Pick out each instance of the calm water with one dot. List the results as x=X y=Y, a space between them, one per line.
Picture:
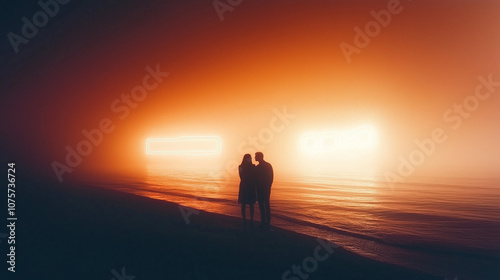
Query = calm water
x=449 y=227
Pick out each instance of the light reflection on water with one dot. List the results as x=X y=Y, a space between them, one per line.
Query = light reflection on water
x=455 y=215
x=341 y=203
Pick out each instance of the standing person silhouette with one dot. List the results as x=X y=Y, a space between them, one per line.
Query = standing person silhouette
x=264 y=176
x=247 y=192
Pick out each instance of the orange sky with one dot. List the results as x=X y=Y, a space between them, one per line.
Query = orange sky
x=226 y=78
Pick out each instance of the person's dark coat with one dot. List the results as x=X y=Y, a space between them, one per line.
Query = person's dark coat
x=247 y=191
x=265 y=178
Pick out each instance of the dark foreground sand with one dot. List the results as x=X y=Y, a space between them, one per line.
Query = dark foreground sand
x=80 y=232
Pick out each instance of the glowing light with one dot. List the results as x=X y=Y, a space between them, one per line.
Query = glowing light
x=184 y=145
x=324 y=142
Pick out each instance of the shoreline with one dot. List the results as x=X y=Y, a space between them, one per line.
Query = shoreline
x=92 y=231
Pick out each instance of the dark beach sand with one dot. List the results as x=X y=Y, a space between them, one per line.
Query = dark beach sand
x=71 y=231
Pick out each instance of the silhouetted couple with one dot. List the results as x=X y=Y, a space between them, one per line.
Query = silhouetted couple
x=255 y=185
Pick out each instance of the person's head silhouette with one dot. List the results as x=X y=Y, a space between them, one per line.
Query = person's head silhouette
x=259 y=156
x=247 y=158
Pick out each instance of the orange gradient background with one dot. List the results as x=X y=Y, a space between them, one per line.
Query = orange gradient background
x=227 y=77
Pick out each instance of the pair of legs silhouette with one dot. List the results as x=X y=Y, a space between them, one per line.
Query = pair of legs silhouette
x=265 y=211
x=243 y=214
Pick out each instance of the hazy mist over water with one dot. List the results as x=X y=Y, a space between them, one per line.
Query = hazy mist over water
x=431 y=224
x=415 y=102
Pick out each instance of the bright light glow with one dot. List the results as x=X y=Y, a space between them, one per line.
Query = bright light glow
x=326 y=142
x=184 y=145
